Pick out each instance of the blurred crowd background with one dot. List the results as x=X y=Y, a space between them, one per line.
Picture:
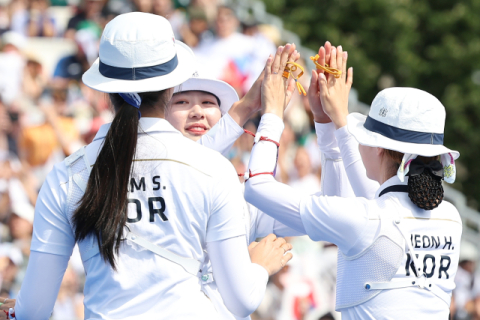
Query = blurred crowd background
x=46 y=113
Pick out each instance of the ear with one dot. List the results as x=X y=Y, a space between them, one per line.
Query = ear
x=380 y=151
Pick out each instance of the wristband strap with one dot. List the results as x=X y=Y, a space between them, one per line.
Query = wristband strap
x=261 y=138
x=249 y=174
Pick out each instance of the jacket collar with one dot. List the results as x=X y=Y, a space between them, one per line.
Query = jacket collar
x=391 y=182
x=146 y=125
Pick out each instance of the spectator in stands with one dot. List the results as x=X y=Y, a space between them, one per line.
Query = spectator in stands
x=7 y=143
x=34 y=21
x=143 y=5
x=467 y=282
x=47 y=143
x=10 y=260
x=229 y=54
x=209 y=7
x=73 y=66
x=197 y=29
x=12 y=64
x=306 y=181
x=34 y=80
x=4 y=16
x=89 y=16
x=166 y=9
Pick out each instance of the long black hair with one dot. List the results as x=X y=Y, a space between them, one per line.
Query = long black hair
x=102 y=211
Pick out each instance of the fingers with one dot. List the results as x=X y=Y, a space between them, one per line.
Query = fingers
x=328 y=51
x=295 y=56
x=333 y=58
x=268 y=66
x=252 y=245
x=287 y=51
x=290 y=90
x=313 y=89
x=270 y=237
x=279 y=242
x=344 y=65
x=276 y=60
x=340 y=57
x=322 y=85
x=287 y=247
x=350 y=78
x=287 y=257
x=321 y=59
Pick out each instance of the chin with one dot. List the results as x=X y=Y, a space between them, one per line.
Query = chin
x=193 y=137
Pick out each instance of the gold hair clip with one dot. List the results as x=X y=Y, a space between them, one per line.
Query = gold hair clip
x=335 y=72
x=289 y=72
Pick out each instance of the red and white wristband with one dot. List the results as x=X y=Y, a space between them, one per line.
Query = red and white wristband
x=258 y=138
x=10 y=313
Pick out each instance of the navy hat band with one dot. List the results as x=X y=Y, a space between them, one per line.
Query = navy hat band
x=138 y=73
x=402 y=135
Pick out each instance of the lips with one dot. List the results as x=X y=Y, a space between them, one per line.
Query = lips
x=197 y=129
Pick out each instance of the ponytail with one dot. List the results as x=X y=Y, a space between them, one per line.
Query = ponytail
x=102 y=211
x=425 y=190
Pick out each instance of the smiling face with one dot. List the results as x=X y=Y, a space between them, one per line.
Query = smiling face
x=193 y=113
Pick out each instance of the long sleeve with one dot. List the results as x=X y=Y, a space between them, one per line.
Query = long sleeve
x=241 y=283
x=338 y=220
x=40 y=286
x=352 y=161
x=334 y=180
x=263 y=190
x=223 y=135
x=261 y=225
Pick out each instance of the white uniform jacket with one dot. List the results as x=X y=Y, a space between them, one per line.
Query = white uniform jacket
x=353 y=224
x=181 y=197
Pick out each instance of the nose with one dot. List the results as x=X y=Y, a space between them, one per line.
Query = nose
x=197 y=112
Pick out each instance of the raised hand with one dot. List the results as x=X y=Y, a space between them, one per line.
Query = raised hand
x=271 y=252
x=334 y=92
x=313 y=93
x=251 y=103
x=274 y=86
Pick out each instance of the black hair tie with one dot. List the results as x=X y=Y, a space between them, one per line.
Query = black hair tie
x=417 y=167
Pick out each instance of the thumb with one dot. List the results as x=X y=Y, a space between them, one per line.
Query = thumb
x=252 y=245
x=322 y=85
x=290 y=90
x=313 y=89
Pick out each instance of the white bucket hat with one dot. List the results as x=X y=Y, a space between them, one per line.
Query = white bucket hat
x=138 y=53
x=407 y=120
x=222 y=90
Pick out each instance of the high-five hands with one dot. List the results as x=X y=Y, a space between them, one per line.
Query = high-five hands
x=334 y=92
x=327 y=95
x=313 y=95
x=276 y=89
x=251 y=103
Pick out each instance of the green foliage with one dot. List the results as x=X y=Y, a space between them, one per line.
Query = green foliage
x=433 y=45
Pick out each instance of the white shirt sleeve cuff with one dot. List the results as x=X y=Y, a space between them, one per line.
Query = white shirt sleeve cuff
x=271 y=127
x=342 y=133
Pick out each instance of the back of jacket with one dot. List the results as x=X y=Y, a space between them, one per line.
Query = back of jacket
x=181 y=195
